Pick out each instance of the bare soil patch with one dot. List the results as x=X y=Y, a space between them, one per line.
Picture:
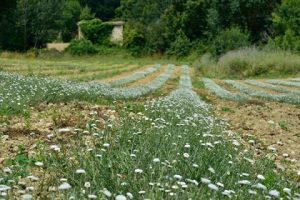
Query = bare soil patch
x=274 y=126
x=44 y=123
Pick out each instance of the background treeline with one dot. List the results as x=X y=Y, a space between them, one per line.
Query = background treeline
x=26 y=24
x=173 y=27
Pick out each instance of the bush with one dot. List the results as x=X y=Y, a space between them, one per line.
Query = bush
x=229 y=39
x=96 y=31
x=81 y=47
x=288 y=41
x=181 y=46
x=134 y=39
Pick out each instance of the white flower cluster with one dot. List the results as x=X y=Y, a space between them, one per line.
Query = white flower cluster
x=184 y=93
x=260 y=94
x=20 y=91
x=223 y=93
x=272 y=87
x=295 y=79
x=126 y=93
x=136 y=76
x=284 y=83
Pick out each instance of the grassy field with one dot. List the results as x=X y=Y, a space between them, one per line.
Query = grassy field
x=87 y=128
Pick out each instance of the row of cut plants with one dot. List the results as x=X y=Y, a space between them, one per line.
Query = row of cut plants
x=281 y=91
x=18 y=92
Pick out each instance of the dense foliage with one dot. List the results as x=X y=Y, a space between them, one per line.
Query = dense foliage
x=158 y=26
x=81 y=47
x=96 y=31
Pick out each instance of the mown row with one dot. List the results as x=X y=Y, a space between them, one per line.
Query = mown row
x=17 y=92
x=274 y=90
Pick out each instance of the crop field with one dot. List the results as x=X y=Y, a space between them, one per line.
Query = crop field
x=144 y=129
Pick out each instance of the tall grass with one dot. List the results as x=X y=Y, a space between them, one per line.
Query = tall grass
x=250 y=62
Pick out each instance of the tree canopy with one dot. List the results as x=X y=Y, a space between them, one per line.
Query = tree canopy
x=154 y=26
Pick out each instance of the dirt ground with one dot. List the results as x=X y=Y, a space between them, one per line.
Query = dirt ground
x=271 y=128
x=44 y=124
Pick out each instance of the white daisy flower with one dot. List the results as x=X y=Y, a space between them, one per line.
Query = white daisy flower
x=186 y=155
x=80 y=171
x=64 y=186
x=138 y=171
x=261 y=177
x=120 y=197
x=213 y=187
x=274 y=193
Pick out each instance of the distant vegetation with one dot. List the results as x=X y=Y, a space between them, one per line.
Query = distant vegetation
x=185 y=29
x=250 y=62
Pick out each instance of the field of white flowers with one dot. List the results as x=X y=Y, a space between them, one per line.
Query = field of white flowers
x=171 y=147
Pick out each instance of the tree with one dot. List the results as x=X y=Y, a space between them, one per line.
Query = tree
x=86 y=14
x=287 y=25
x=103 y=9
x=70 y=18
x=39 y=20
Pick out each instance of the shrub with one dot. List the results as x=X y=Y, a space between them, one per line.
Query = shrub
x=134 y=38
x=229 y=39
x=288 y=41
x=96 y=31
x=181 y=46
x=81 y=47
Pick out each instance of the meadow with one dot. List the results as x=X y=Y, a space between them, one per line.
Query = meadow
x=123 y=128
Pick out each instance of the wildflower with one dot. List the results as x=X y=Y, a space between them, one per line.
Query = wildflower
x=252 y=192
x=107 y=193
x=92 y=196
x=178 y=177
x=244 y=182
x=26 y=197
x=121 y=197
x=130 y=196
x=33 y=178
x=138 y=171
x=227 y=193
x=142 y=192
x=64 y=186
x=80 y=171
x=187 y=146
x=64 y=130
x=220 y=184
x=261 y=177
x=211 y=170
x=274 y=193
x=195 y=165
x=205 y=180
x=54 y=147
x=156 y=160
x=106 y=145
x=87 y=184
x=4 y=188
x=186 y=155
x=7 y=170
x=287 y=190
x=40 y=164
x=260 y=186
x=213 y=187
x=175 y=187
